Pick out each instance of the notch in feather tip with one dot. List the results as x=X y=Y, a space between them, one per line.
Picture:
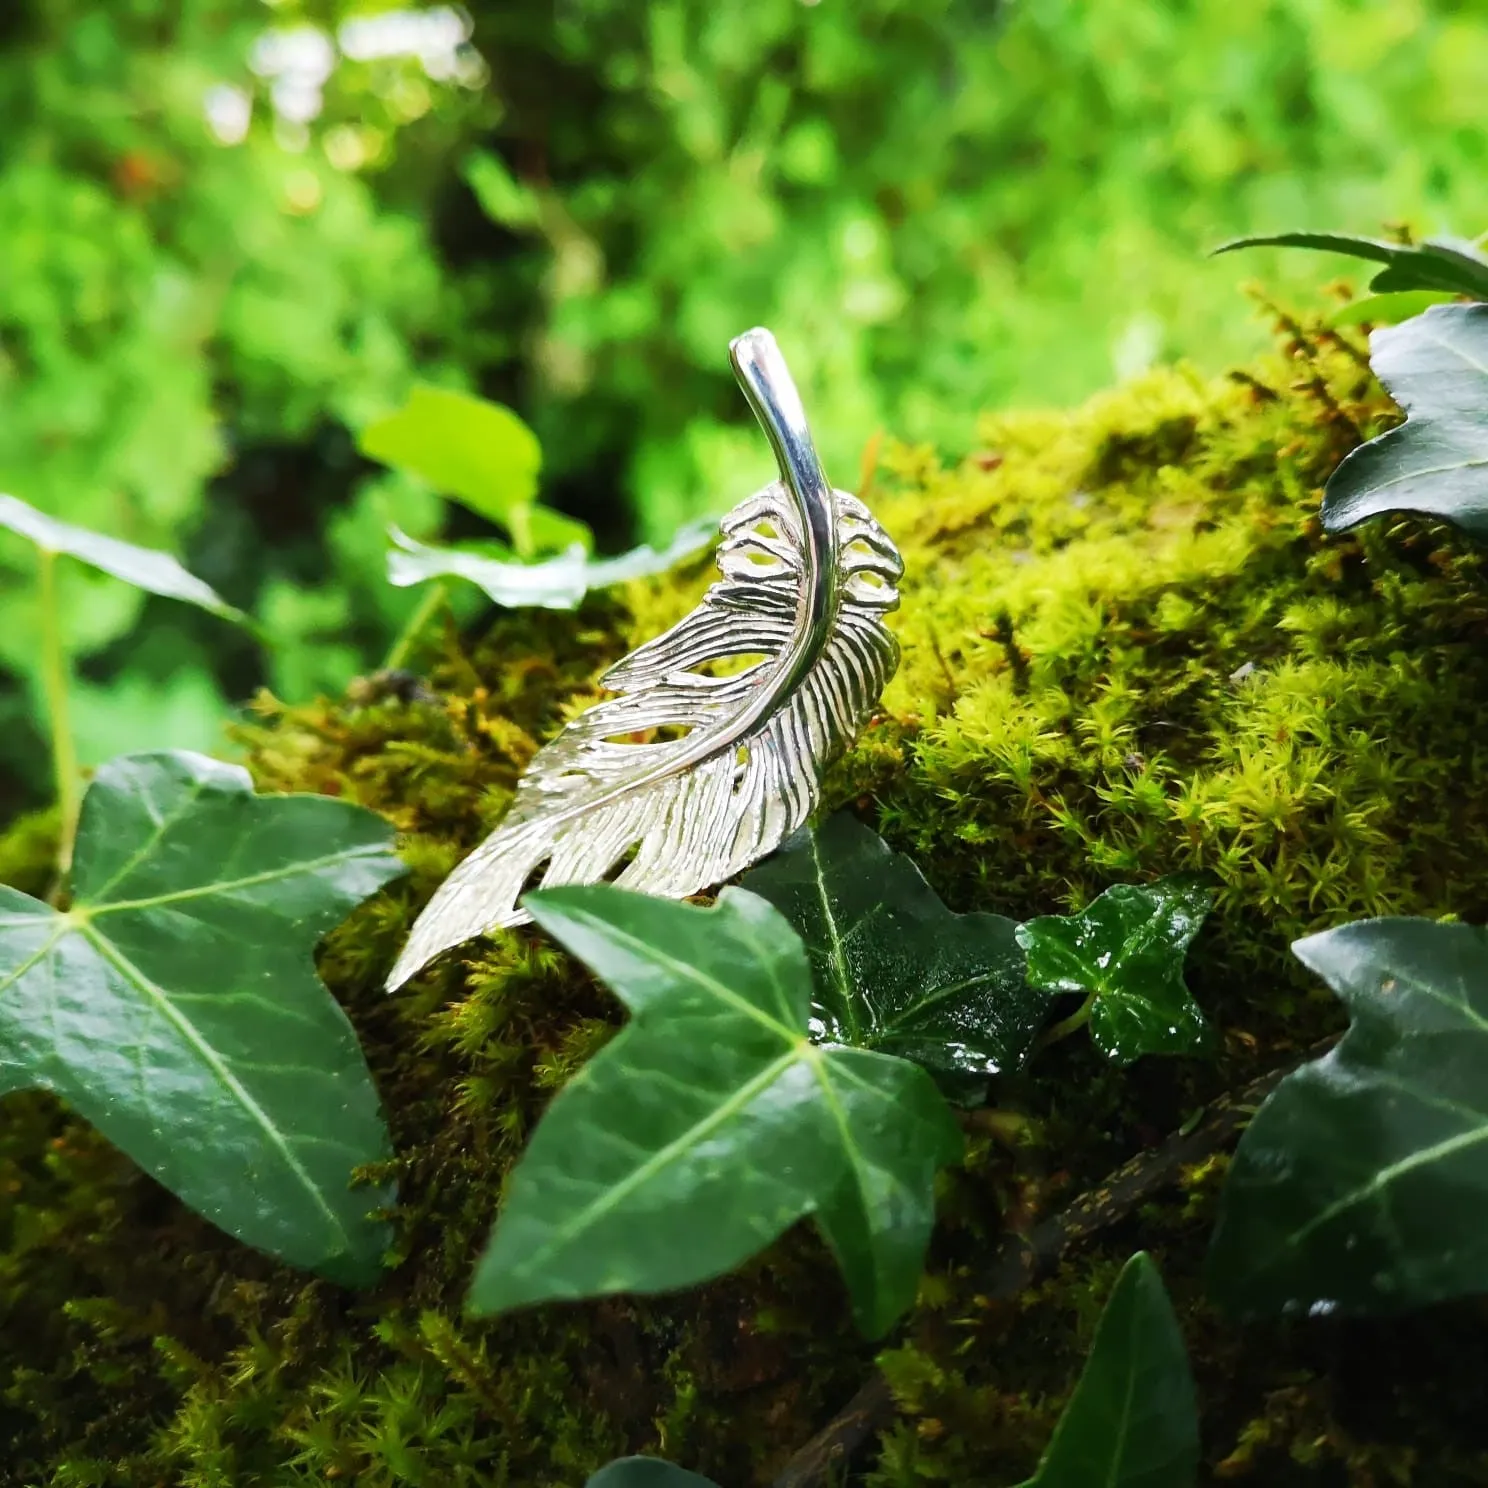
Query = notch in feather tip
x=738 y=707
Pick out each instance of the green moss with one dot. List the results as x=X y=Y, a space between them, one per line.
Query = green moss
x=28 y=852
x=1128 y=650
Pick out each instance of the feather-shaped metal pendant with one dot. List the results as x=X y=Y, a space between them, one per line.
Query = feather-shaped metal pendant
x=808 y=577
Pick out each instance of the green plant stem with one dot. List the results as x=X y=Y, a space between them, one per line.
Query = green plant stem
x=1066 y=1026
x=519 y=525
x=408 y=637
x=55 y=676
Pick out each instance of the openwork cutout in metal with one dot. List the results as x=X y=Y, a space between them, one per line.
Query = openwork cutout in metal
x=769 y=678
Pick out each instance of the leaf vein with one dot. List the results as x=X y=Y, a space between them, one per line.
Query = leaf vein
x=219 y=1068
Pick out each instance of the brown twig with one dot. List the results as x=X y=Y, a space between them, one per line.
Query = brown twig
x=1022 y=1257
x=945 y=666
x=1017 y=659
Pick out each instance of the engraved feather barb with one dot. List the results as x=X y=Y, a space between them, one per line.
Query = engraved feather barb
x=769 y=678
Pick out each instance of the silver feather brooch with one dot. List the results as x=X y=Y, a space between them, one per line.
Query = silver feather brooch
x=711 y=753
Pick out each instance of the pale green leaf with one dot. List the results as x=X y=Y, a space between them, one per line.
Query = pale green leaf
x=1388 y=309
x=145 y=568
x=480 y=454
x=556 y=583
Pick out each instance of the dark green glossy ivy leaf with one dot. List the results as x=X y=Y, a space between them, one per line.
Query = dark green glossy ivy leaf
x=1133 y=1420
x=480 y=454
x=177 y=1008
x=145 y=568
x=1362 y=1183
x=646 y=1472
x=711 y=1123
x=1436 y=368
x=1455 y=265
x=556 y=584
x=1125 y=952
x=893 y=968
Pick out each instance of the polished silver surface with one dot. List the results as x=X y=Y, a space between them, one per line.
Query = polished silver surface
x=769 y=678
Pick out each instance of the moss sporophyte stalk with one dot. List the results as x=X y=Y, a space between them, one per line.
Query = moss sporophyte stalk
x=1130 y=652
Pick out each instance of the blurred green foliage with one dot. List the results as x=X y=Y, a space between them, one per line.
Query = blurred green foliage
x=938 y=205
x=173 y=310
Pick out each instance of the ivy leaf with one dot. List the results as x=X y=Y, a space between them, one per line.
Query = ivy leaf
x=1455 y=265
x=1133 y=1419
x=646 y=1472
x=176 y=1005
x=1436 y=368
x=557 y=584
x=1359 y=1184
x=478 y=453
x=711 y=1123
x=1125 y=952
x=893 y=968
x=145 y=568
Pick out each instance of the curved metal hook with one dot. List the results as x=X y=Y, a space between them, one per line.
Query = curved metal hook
x=772 y=394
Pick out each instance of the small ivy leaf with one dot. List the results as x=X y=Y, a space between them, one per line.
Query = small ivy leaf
x=893 y=968
x=478 y=453
x=1358 y=1185
x=1436 y=368
x=1124 y=950
x=711 y=1123
x=646 y=1472
x=176 y=1005
x=1133 y=1420
x=1454 y=265
x=556 y=584
x=145 y=568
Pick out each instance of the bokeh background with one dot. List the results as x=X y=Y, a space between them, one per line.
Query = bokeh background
x=233 y=232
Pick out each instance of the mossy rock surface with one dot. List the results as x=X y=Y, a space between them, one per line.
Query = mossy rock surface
x=1129 y=650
